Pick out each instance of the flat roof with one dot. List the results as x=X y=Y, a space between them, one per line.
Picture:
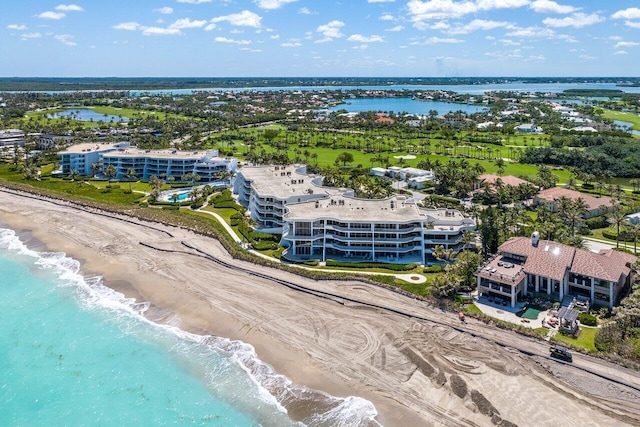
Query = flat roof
x=89 y=147
x=281 y=182
x=344 y=208
x=168 y=153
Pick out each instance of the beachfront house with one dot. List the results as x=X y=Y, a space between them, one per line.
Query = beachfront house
x=530 y=266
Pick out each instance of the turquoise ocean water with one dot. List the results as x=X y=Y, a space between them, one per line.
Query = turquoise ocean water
x=73 y=352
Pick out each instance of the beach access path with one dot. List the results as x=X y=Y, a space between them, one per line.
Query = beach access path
x=343 y=337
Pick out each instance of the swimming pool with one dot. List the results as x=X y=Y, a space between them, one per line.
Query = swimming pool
x=529 y=313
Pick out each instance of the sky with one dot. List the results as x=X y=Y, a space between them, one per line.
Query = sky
x=319 y=38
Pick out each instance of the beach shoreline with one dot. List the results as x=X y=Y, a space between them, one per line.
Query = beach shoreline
x=325 y=344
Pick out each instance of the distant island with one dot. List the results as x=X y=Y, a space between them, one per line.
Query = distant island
x=167 y=83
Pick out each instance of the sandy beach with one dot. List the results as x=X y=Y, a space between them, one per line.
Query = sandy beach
x=415 y=372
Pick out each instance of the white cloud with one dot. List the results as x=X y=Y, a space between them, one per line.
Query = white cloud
x=187 y=23
x=380 y=1
x=128 y=26
x=396 y=28
x=630 y=13
x=621 y=52
x=632 y=24
x=479 y=24
x=27 y=36
x=438 y=40
x=386 y=17
x=509 y=42
x=330 y=31
x=69 y=8
x=535 y=58
x=65 y=39
x=448 y=9
x=532 y=32
x=227 y=40
x=577 y=20
x=242 y=19
x=18 y=27
x=547 y=6
x=626 y=44
x=194 y=1
x=306 y=11
x=359 y=38
x=291 y=44
x=159 y=31
x=210 y=27
x=51 y=15
x=166 y=10
x=588 y=57
x=272 y=4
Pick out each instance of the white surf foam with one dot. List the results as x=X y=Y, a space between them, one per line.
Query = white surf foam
x=272 y=388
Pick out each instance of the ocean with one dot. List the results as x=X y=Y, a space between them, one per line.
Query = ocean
x=74 y=352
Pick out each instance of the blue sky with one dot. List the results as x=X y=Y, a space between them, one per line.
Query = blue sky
x=270 y=38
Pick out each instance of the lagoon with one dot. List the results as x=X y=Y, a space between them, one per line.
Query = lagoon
x=405 y=105
x=86 y=115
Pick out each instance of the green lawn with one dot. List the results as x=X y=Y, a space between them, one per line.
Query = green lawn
x=78 y=189
x=632 y=118
x=585 y=339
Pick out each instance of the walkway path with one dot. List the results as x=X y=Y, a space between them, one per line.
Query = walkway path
x=407 y=277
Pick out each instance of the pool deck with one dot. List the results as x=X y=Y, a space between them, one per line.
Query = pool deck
x=507 y=313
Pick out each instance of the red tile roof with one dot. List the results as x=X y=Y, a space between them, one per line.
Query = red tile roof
x=554 y=193
x=551 y=259
x=547 y=259
x=511 y=180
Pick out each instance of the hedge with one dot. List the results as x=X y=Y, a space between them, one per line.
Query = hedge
x=228 y=204
x=433 y=269
x=394 y=267
x=262 y=245
x=588 y=319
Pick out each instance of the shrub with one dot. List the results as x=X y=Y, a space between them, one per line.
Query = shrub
x=437 y=268
x=144 y=204
x=587 y=319
x=171 y=208
x=262 y=245
x=597 y=222
x=393 y=267
x=228 y=204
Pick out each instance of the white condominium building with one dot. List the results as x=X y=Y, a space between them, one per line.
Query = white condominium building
x=81 y=157
x=145 y=163
x=320 y=223
x=392 y=230
x=168 y=163
x=266 y=191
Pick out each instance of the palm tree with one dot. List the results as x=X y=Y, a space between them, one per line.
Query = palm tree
x=74 y=175
x=633 y=229
x=110 y=172
x=131 y=175
x=500 y=163
x=617 y=218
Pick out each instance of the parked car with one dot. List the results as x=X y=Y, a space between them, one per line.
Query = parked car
x=560 y=352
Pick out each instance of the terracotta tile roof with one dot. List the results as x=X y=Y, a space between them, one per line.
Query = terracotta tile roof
x=554 y=193
x=511 y=180
x=548 y=259
x=551 y=259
